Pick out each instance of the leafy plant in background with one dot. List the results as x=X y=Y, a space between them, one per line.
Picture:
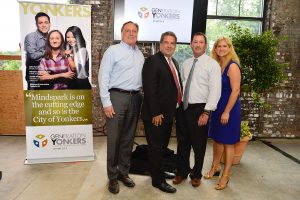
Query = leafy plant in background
x=10 y=64
x=182 y=52
x=245 y=131
x=257 y=54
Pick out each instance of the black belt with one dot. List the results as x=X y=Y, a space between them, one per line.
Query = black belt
x=124 y=91
x=196 y=105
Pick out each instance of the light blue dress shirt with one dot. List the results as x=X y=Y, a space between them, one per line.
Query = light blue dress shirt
x=121 y=67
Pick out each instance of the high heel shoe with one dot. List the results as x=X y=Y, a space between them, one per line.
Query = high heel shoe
x=222 y=187
x=216 y=172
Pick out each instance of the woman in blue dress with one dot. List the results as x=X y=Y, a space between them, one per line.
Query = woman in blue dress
x=225 y=124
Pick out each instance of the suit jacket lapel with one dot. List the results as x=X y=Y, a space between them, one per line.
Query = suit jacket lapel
x=166 y=65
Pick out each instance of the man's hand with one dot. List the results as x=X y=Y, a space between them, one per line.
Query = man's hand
x=203 y=119
x=157 y=120
x=109 y=112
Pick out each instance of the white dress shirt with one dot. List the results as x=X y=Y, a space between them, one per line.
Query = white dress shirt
x=206 y=81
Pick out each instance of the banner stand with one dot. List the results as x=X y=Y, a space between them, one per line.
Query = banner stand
x=57 y=82
x=56 y=160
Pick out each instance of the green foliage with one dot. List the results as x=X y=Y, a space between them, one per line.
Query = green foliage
x=182 y=52
x=257 y=54
x=245 y=130
x=10 y=64
x=259 y=102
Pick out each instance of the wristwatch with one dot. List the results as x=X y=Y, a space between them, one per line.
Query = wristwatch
x=68 y=55
x=207 y=112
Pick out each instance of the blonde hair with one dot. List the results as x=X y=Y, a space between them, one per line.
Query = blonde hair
x=231 y=55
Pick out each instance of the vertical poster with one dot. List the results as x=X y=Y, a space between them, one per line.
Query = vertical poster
x=56 y=65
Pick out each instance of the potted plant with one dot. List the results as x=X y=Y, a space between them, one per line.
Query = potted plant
x=240 y=147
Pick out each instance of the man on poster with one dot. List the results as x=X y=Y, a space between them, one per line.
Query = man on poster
x=34 y=45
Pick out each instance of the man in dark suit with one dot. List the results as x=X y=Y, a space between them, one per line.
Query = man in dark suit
x=162 y=95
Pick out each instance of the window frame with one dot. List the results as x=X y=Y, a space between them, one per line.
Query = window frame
x=240 y=18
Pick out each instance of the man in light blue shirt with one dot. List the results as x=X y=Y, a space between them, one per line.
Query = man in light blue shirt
x=120 y=81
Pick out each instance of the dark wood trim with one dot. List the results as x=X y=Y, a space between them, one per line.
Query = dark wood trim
x=10 y=57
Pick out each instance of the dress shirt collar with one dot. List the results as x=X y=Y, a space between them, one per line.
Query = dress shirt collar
x=128 y=46
x=41 y=36
x=199 y=57
x=167 y=59
x=58 y=57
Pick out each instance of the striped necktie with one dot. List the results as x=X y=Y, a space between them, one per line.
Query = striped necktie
x=179 y=96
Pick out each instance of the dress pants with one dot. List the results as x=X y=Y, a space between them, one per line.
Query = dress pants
x=120 y=132
x=190 y=135
x=158 y=139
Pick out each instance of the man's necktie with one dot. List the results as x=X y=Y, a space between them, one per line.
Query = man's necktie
x=179 y=97
x=187 y=86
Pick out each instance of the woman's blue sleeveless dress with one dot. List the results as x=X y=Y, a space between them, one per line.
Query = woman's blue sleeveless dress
x=229 y=133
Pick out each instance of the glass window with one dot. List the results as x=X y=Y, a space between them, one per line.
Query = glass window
x=218 y=27
x=182 y=52
x=228 y=7
x=212 y=7
x=220 y=13
x=253 y=8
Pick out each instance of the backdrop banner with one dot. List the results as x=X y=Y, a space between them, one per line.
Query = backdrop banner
x=56 y=46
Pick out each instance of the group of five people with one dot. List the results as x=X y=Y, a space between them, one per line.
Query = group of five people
x=203 y=97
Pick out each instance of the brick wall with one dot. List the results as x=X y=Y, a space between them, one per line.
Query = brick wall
x=282 y=120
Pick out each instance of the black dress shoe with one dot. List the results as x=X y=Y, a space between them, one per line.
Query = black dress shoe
x=126 y=180
x=113 y=186
x=165 y=187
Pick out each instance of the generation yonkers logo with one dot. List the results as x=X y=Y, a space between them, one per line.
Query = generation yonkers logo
x=40 y=141
x=73 y=139
x=143 y=13
x=159 y=14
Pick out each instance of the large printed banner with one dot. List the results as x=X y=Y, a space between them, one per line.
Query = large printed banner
x=56 y=46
